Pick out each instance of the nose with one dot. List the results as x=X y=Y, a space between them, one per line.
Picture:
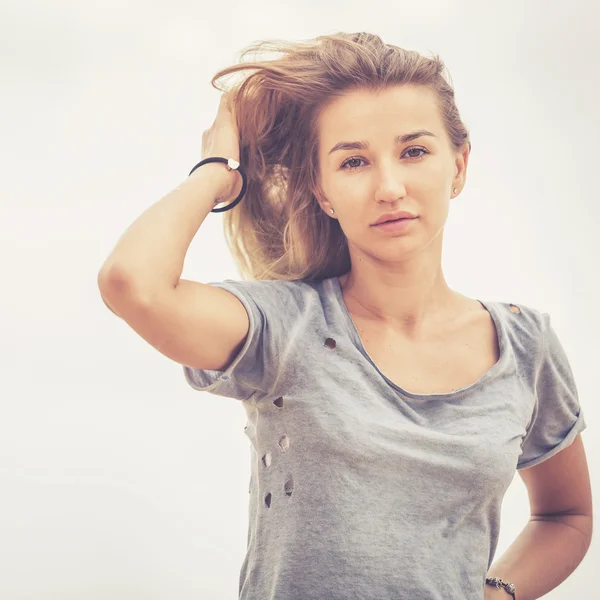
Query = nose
x=390 y=183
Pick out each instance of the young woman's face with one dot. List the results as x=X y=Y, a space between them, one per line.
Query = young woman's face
x=416 y=175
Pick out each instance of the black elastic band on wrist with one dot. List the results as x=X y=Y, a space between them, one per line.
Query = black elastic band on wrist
x=231 y=164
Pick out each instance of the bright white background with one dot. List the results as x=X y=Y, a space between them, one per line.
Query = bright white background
x=118 y=480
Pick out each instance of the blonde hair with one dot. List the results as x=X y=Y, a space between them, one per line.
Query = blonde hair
x=279 y=231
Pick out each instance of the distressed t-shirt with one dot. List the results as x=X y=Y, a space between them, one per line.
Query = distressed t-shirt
x=360 y=489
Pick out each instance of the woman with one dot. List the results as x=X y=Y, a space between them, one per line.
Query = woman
x=387 y=412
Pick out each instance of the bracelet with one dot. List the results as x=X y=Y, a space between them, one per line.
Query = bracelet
x=499 y=584
x=231 y=164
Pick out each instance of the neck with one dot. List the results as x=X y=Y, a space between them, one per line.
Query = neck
x=413 y=307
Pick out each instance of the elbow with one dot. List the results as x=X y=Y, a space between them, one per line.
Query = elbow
x=117 y=287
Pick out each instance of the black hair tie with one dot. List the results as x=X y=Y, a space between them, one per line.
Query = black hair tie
x=231 y=164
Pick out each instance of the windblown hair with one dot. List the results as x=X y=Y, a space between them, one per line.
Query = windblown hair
x=279 y=231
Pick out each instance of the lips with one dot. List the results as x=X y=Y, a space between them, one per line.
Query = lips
x=398 y=215
x=399 y=219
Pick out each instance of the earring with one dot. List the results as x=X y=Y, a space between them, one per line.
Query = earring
x=455 y=191
x=331 y=210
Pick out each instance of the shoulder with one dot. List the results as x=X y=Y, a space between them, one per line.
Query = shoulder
x=278 y=286
x=276 y=295
x=519 y=316
x=523 y=326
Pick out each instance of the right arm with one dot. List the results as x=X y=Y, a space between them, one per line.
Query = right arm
x=151 y=253
x=149 y=257
x=194 y=324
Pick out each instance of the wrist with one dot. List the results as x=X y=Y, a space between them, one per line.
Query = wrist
x=492 y=592
x=223 y=181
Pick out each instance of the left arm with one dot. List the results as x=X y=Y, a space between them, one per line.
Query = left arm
x=543 y=555
x=559 y=531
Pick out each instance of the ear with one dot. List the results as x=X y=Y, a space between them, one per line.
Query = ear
x=461 y=163
x=321 y=200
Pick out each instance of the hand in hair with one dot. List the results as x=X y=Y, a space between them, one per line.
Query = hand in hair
x=222 y=139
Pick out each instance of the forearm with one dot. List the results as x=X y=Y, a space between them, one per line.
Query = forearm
x=150 y=255
x=544 y=554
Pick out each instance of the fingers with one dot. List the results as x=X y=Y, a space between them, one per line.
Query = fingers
x=226 y=100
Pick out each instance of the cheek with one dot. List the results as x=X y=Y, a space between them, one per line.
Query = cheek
x=430 y=177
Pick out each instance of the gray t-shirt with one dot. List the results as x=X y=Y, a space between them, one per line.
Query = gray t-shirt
x=361 y=490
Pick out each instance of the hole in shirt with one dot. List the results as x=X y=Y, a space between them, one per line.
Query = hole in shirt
x=289 y=487
x=266 y=459
x=515 y=309
x=278 y=402
x=284 y=442
x=330 y=343
x=268 y=500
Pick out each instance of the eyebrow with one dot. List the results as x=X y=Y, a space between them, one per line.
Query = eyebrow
x=399 y=139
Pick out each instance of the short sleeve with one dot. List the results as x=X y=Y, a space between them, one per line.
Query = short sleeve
x=557 y=416
x=256 y=366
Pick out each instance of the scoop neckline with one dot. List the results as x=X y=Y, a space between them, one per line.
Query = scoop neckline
x=487 y=376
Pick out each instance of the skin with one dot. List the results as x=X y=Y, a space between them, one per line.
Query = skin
x=395 y=279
